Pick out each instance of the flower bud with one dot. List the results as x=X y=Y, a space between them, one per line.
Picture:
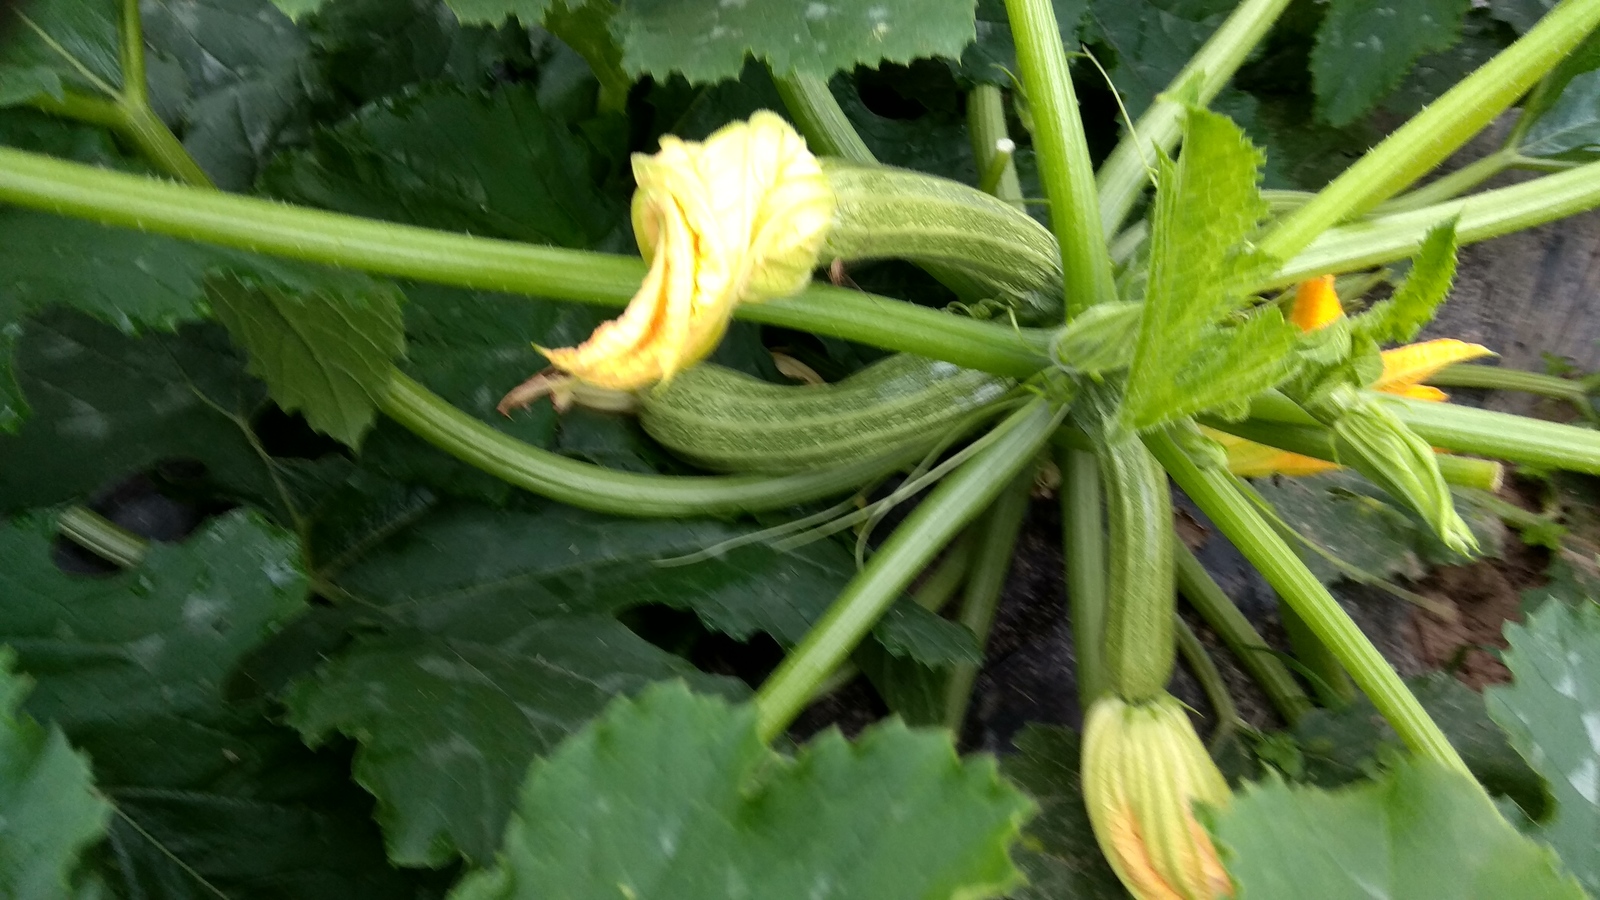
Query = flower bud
x=1143 y=769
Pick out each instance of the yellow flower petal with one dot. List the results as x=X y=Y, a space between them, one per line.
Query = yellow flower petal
x=1249 y=459
x=737 y=218
x=1404 y=367
x=1316 y=304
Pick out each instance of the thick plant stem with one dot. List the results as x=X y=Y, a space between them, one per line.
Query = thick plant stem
x=948 y=509
x=104 y=538
x=1517 y=439
x=594 y=487
x=39 y=182
x=1448 y=187
x=1206 y=672
x=1439 y=130
x=1217 y=608
x=1083 y=548
x=1316 y=441
x=1063 y=151
x=1214 y=492
x=1125 y=172
x=986 y=579
x=157 y=144
x=819 y=117
x=1387 y=238
x=1495 y=378
x=986 y=124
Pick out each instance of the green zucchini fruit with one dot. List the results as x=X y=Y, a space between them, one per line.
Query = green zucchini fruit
x=1140 y=644
x=995 y=251
x=732 y=422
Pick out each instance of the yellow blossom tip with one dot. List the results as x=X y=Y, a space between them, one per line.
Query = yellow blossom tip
x=1408 y=366
x=1316 y=304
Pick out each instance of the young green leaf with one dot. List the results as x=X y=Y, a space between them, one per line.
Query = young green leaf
x=1185 y=359
x=675 y=796
x=1571 y=124
x=1551 y=710
x=1420 y=832
x=1398 y=319
x=49 y=808
x=53 y=46
x=326 y=349
x=708 y=40
x=1365 y=47
x=1059 y=853
x=522 y=606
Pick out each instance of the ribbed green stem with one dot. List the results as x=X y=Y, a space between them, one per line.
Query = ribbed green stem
x=1316 y=441
x=951 y=505
x=1241 y=638
x=818 y=116
x=1214 y=492
x=1141 y=598
x=1083 y=546
x=1205 y=671
x=106 y=539
x=1517 y=439
x=114 y=198
x=986 y=580
x=986 y=124
x=607 y=490
x=1439 y=130
x=1495 y=378
x=1448 y=187
x=1126 y=171
x=156 y=143
x=1063 y=153
x=1387 y=238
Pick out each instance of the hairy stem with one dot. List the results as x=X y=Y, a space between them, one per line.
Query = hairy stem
x=1387 y=238
x=1328 y=678
x=986 y=579
x=1517 y=439
x=1083 y=546
x=948 y=509
x=1495 y=378
x=1439 y=130
x=1126 y=171
x=1063 y=151
x=606 y=490
x=1206 y=672
x=114 y=198
x=1214 y=492
x=818 y=116
x=1241 y=638
x=1448 y=187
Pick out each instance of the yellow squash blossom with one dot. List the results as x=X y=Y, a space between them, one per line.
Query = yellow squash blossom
x=740 y=217
x=1316 y=305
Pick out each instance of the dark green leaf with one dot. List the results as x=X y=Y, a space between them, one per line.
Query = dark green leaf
x=1422 y=832
x=242 y=85
x=1398 y=319
x=156 y=641
x=1552 y=713
x=1571 y=123
x=1184 y=360
x=324 y=348
x=992 y=57
x=1521 y=14
x=486 y=163
x=675 y=796
x=52 y=46
x=49 y=809
x=107 y=405
x=1482 y=36
x=509 y=618
x=1059 y=853
x=1151 y=41
x=1365 y=48
x=708 y=40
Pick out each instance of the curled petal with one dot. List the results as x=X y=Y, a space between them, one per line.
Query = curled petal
x=1316 y=304
x=1406 y=366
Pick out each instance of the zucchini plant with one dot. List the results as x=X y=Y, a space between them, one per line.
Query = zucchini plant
x=436 y=628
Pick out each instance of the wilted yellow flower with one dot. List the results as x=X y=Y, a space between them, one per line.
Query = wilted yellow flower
x=738 y=218
x=1143 y=770
x=1316 y=305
